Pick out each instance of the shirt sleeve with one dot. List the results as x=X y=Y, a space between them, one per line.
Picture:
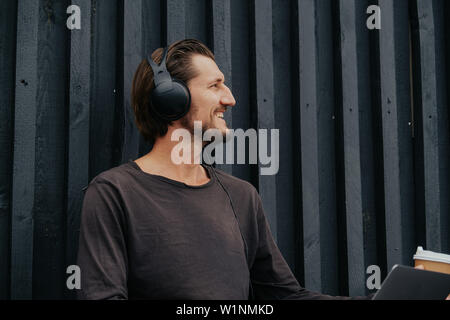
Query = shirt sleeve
x=270 y=274
x=102 y=251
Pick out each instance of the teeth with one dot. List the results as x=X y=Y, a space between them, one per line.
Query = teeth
x=219 y=115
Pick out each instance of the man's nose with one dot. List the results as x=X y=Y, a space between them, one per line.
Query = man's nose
x=227 y=98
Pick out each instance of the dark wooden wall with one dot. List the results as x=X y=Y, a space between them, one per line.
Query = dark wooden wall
x=363 y=115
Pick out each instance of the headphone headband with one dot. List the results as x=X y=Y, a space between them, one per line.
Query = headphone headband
x=170 y=98
x=160 y=73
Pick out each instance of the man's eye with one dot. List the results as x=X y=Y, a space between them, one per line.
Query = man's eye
x=214 y=85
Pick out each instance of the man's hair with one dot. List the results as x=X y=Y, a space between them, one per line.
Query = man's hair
x=179 y=65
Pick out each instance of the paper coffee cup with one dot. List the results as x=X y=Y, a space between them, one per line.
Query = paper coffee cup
x=432 y=261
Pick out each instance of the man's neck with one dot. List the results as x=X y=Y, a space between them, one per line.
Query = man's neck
x=159 y=162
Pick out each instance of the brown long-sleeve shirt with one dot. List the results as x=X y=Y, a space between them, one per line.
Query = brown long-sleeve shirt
x=145 y=236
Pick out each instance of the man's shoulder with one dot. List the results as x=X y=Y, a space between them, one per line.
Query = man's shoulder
x=115 y=176
x=235 y=183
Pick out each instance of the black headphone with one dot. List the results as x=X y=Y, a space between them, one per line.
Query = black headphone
x=170 y=98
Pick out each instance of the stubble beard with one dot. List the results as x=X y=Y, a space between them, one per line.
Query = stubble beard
x=188 y=123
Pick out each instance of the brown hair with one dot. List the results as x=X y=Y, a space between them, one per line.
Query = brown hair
x=179 y=66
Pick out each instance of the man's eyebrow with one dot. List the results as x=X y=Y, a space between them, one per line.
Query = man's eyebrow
x=218 y=79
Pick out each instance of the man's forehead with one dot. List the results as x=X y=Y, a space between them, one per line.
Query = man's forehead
x=206 y=68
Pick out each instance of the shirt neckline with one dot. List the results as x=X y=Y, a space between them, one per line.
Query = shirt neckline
x=175 y=182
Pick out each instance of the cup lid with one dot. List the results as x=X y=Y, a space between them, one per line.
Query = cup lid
x=431 y=256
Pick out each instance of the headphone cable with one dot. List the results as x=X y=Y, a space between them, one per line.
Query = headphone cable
x=239 y=227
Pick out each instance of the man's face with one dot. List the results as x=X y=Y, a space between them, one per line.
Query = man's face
x=210 y=97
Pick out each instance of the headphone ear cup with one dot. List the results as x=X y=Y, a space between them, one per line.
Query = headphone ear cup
x=172 y=104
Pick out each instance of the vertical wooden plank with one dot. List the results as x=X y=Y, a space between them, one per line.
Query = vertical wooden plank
x=105 y=116
x=299 y=260
x=443 y=123
x=175 y=20
x=152 y=26
x=242 y=115
x=152 y=38
x=371 y=143
x=416 y=125
x=8 y=24
x=132 y=46
x=308 y=144
x=317 y=145
x=264 y=99
x=221 y=46
x=370 y=146
x=352 y=105
x=445 y=160
x=24 y=162
x=78 y=127
x=397 y=140
x=326 y=148
x=432 y=115
x=50 y=170
x=196 y=19
x=283 y=75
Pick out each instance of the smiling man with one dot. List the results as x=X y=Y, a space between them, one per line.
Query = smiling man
x=153 y=229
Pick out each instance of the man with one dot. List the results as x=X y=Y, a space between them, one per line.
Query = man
x=153 y=229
